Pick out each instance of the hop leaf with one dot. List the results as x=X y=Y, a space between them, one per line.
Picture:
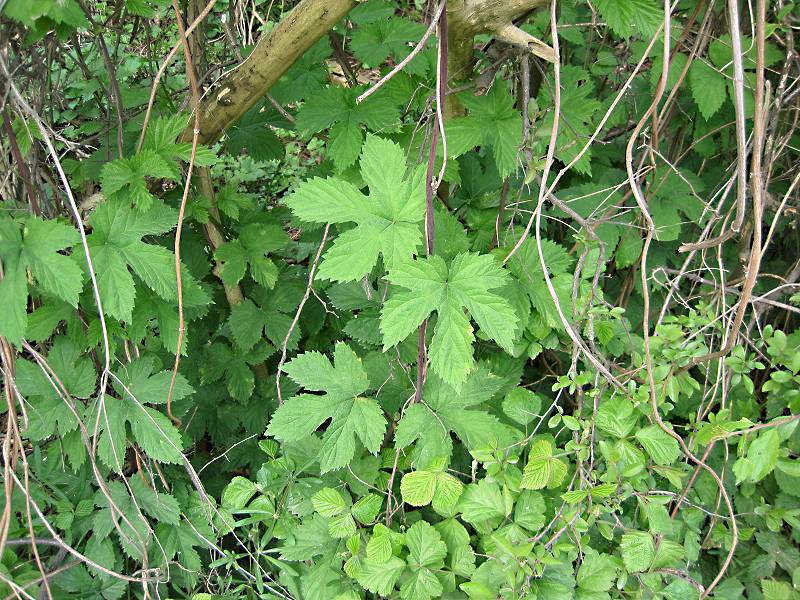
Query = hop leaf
x=116 y=244
x=433 y=285
x=492 y=121
x=126 y=178
x=387 y=222
x=38 y=248
x=446 y=410
x=336 y=108
x=352 y=416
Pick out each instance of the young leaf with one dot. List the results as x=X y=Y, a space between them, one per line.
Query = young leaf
x=543 y=470
x=125 y=179
x=352 y=416
x=433 y=285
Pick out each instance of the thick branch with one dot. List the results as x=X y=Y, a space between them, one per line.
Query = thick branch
x=469 y=18
x=270 y=59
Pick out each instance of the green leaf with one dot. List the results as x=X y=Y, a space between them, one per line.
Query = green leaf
x=662 y=447
x=425 y=546
x=481 y=501
x=372 y=43
x=522 y=405
x=116 y=244
x=426 y=553
x=638 y=551
x=667 y=554
x=351 y=415
x=387 y=221
x=616 y=416
x=379 y=548
x=446 y=410
x=156 y=434
x=250 y=250
x=433 y=285
x=336 y=107
x=709 y=88
x=627 y=18
x=448 y=491
x=238 y=493
x=366 y=508
x=329 y=502
x=252 y=132
x=164 y=508
x=341 y=526
x=125 y=179
x=418 y=487
x=37 y=248
x=596 y=573
x=542 y=469
x=761 y=458
x=380 y=577
x=492 y=121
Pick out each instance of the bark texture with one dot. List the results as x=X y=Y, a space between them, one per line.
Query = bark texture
x=468 y=18
x=271 y=58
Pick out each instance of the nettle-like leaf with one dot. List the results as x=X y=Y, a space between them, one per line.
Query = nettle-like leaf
x=37 y=248
x=250 y=251
x=253 y=131
x=352 y=415
x=116 y=244
x=387 y=221
x=709 y=88
x=492 y=121
x=448 y=289
x=267 y=314
x=126 y=179
x=446 y=410
x=151 y=429
x=336 y=108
